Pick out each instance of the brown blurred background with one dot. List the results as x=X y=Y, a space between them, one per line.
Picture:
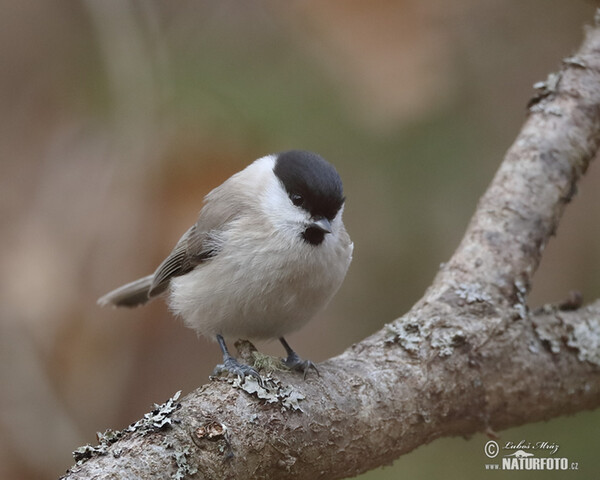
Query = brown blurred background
x=117 y=117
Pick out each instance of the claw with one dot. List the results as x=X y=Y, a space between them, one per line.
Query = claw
x=294 y=362
x=231 y=365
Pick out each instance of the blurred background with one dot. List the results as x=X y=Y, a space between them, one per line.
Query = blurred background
x=117 y=117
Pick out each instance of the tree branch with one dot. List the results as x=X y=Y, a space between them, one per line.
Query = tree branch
x=469 y=356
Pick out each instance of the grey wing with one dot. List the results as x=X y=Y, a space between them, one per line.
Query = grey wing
x=201 y=242
x=191 y=250
x=204 y=239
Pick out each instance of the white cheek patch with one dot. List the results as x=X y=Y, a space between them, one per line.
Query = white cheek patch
x=279 y=210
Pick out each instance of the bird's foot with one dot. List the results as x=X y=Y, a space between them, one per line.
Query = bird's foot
x=231 y=365
x=294 y=362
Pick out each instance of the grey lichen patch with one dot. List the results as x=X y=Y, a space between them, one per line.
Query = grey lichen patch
x=410 y=335
x=545 y=89
x=546 y=331
x=550 y=85
x=272 y=391
x=520 y=306
x=575 y=61
x=159 y=418
x=584 y=337
x=446 y=340
x=86 y=452
x=184 y=469
x=407 y=333
x=520 y=310
x=291 y=398
x=533 y=347
x=472 y=293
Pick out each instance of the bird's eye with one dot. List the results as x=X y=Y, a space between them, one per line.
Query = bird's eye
x=297 y=199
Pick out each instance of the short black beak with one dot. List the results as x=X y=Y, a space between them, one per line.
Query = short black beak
x=321 y=224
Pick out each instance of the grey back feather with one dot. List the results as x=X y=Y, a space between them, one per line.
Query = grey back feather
x=198 y=244
x=202 y=240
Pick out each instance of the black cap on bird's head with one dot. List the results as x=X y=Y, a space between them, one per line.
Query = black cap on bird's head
x=314 y=185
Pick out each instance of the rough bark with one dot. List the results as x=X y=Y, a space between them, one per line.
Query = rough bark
x=468 y=357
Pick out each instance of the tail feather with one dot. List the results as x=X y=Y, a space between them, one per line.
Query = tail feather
x=129 y=295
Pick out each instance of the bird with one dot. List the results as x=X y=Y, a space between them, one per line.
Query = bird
x=268 y=252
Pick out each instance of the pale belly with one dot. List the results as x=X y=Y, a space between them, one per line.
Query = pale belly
x=257 y=297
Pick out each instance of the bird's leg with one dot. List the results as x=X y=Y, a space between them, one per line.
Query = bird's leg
x=294 y=362
x=231 y=365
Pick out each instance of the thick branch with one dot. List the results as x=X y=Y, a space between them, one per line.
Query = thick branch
x=469 y=356
x=522 y=207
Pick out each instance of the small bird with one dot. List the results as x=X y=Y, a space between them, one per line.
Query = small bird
x=269 y=251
